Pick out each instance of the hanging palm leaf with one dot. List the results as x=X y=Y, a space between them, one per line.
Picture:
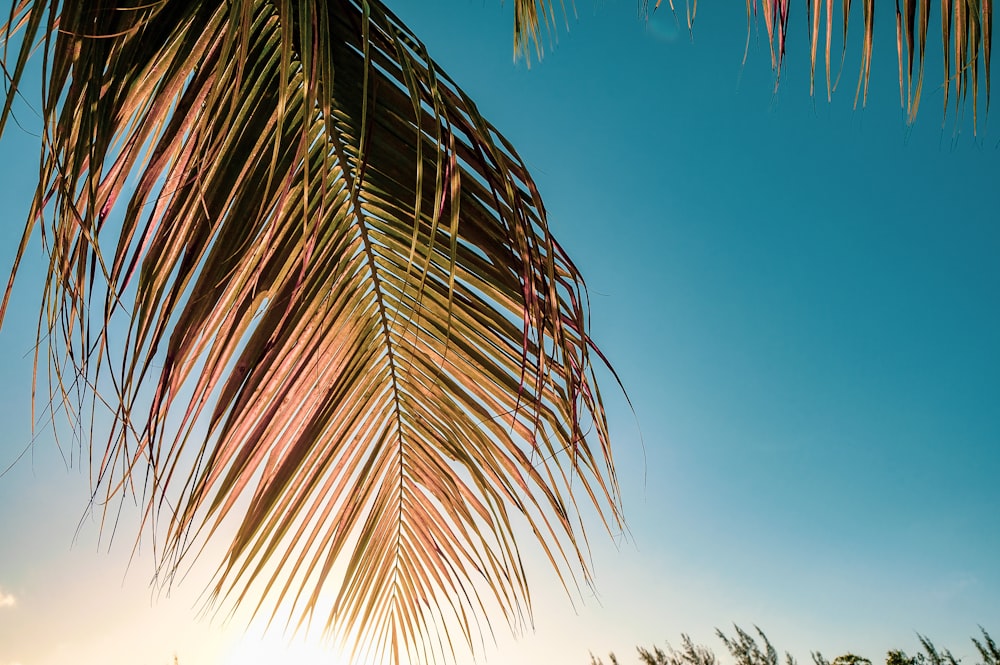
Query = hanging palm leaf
x=966 y=35
x=966 y=29
x=317 y=293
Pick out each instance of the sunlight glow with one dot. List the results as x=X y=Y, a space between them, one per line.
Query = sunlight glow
x=255 y=649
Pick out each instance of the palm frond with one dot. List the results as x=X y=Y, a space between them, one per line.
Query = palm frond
x=318 y=293
x=966 y=34
x=537 y=21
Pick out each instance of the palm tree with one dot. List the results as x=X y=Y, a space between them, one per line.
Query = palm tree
x=317 y=294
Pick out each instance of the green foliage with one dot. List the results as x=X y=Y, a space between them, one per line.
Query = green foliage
x=934 y=656
x=987 y=648
x=688 y=654
x=851 y=659
x=597 y=661
x=746 y=650
x=897 y=657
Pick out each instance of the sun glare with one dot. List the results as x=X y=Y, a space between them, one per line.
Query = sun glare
x=269 y=650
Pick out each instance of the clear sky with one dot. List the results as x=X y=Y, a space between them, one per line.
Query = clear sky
x=801 y=299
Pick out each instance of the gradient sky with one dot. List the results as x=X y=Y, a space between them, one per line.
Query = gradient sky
x=801 y=299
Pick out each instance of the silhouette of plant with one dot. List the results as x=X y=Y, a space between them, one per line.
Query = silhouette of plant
x=746 y=650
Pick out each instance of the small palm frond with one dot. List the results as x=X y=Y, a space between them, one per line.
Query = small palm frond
x=966 y=37
x=966 y=34
x=317 y=292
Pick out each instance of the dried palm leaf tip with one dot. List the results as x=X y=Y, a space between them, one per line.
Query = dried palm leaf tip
x=966 y=36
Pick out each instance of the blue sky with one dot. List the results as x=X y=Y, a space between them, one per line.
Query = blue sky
x=800 y=298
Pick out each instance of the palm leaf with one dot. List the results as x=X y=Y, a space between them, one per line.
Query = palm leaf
x=318 y=294
x=966 y=34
